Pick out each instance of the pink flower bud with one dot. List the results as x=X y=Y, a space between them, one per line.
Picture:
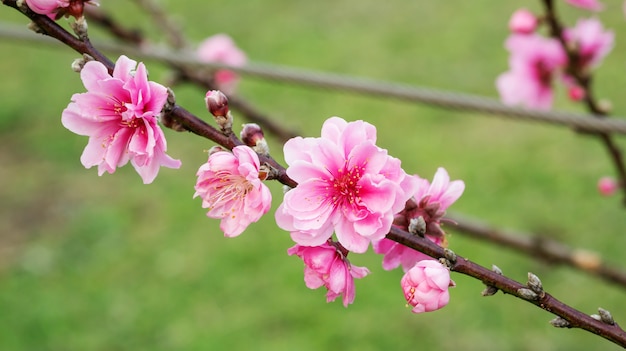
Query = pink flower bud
x=523 y=22
x=426 y=285
x=576 y=93
x=326 y=266
x=216 y=103
x=252 y=134
x=607 y=186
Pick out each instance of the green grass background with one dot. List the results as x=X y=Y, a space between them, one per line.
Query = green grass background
x=106 y=263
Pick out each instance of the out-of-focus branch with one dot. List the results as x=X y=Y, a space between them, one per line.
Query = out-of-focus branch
x=132 y=36
x=163 y=22
x=202 y=79
x=371 y=87
x=584 y=79
x=541 y=247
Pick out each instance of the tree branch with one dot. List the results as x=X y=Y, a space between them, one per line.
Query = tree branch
x=573 y=317
x=584 y=79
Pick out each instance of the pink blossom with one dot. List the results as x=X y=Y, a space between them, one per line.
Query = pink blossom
x=428 y=204
x=325 y=265
x=592 y=42
x=222 y=49
x=58 y=8
x=230 y=187
x=426 y=285
x=397 y=254
x=347 y=184
x=523 y=22
x=119 y=115
x=607 y=186
x=592 y=5
x=533 y=62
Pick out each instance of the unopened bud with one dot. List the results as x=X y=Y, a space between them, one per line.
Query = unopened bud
x=215 y=149
x=607 y=186
x=417 y=226
x=560 y=322
x=264 y=171
x=534 y=283
x=576 y=93
x=605 y=316
x=523 y=22
x=450 y=255
x=496 y=269
x=79 y=63
x=76 y=9
x=252 y=135
x=80 y=26
x=489 y=291
x=35 y=28
x=605 y=106
x=527 y=294
x=217 y=104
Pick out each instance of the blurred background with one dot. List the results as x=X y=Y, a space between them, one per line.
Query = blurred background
x=107 y=263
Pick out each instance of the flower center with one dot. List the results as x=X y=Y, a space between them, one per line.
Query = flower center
x=229 y=190
x=344 y=189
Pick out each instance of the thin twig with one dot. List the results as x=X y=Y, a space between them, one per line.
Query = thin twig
x=185 y=73
x=132 y=36
x=375 y=88
x=541 y=247
x=584 y=79
x=174 y=35
x=574 y=317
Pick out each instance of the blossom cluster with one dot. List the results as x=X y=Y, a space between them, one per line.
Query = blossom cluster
x=537 y=61
x=350 y=191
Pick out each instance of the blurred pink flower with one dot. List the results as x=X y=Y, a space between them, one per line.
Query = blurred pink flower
x=607 y=186
x=58 y=8
x=119 y=114
x=523 y=22
x=592 y=5
x=426 y=285
x=230 y=187
x=534 y=61
x=591 y=41
x=347 y=184
x=428 y=205
x=325 y=265
x=221 y=48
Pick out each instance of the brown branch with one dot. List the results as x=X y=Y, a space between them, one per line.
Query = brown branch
x=174 y=36
x=573 y=317
x=584 y=79
x=95 y=15
x=541 y=247
x=185 y=73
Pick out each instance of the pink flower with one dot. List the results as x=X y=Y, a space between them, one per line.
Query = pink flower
x=397 y=254
x=230 y=187
x=591 y=41
x=592 y=5
x=523 y=22
x=119 y=115
x=325 y=265
x=222 y=49
x=58 y=8
x=347 y=184
x=426 y=285
x=429 y=204
x=607 y=186
x=533 y=63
